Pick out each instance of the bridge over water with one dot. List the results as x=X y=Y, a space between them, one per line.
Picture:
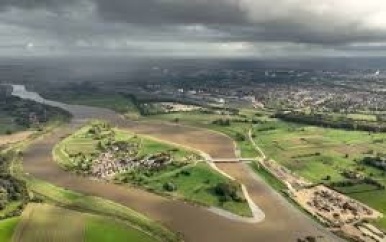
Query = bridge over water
x=233 y=160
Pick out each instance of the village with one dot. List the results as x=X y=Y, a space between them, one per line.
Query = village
x=107 y=165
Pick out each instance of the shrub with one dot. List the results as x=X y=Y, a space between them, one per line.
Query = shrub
x=228 y=191
x=170 y=187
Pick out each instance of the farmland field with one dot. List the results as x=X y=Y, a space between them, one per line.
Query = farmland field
x=43 y=222
x=315 y=152
x=323 y=154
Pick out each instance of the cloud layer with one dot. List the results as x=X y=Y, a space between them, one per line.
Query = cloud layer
x=253 y=28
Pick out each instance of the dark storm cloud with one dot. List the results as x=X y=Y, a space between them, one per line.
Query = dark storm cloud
x=32 y=4
x=171 y=11
x=257 y=26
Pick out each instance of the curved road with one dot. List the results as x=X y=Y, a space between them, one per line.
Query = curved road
x=283 y=222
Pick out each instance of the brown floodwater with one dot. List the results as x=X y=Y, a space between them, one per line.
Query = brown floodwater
x=283 y=222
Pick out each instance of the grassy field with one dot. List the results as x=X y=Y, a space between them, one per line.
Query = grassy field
x=196 y=183
x=44 y=222
x=315 y=153
x=7 y=228
x=98 y=229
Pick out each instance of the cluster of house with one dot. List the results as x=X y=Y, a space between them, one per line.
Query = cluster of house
x=107 y=165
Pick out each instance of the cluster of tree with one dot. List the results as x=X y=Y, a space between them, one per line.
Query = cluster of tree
x=352 y=182
x=240 y=137
x=100 y=130
x=307 y=155
x=330 y=122
x=246 y=120
x=11 y=189
x=266 y=128
x=170 y=186
x=375 y=161
x=81 y=163
x=228 y=191
x=222 y=122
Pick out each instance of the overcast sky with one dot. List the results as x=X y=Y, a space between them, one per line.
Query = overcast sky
x=202 y=28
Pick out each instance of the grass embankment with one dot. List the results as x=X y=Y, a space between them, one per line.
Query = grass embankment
x=190 y=181
x=44 y=222
x=268 y=177
x=323 y=154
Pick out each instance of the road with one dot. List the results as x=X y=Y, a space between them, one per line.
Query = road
x=282 y=221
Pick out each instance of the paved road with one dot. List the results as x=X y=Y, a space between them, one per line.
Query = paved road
x=283 y=222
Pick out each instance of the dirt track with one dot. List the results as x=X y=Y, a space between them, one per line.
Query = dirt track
x=282 y=223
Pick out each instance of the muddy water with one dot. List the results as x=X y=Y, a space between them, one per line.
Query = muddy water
x=282 y=222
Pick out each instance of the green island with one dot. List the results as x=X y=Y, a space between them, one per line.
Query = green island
x=103 y=152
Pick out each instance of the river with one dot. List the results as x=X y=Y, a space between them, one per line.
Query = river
x=283 y=222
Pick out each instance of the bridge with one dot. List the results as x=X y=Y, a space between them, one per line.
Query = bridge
x=233 y=160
